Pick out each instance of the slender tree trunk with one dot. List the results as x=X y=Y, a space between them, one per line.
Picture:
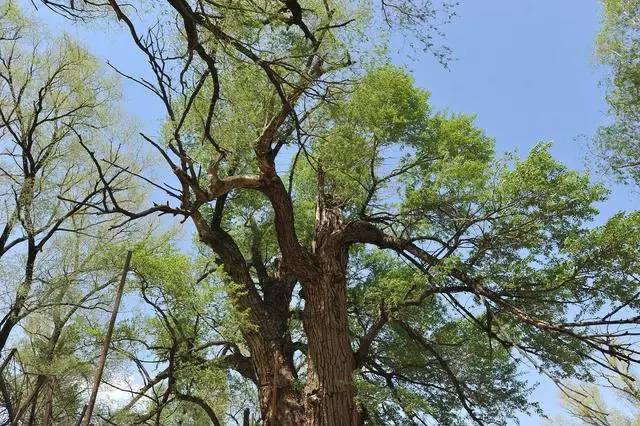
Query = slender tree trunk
x=22 y=293
x=31 y=399
x=47 y=416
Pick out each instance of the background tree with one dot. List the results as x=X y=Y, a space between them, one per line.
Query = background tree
x=586 y=403
x=55 y=104
x=618 y=47
x=52 y=95
x=47 y=378
x=389 y=267
x=183 y=328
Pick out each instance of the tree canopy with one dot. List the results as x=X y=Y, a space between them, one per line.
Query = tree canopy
x=360 y=257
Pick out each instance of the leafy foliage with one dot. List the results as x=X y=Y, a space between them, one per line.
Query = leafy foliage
x=360 y=256
x=618 y=46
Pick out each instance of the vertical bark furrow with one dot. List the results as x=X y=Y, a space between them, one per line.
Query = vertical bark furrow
x=330 y=390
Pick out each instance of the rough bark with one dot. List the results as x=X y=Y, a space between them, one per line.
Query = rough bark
x=329 y=392
x=328 y=397
x=280 y=402
x=269 y=343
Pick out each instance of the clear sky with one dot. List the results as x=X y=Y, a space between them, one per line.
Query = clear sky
x=525 y=67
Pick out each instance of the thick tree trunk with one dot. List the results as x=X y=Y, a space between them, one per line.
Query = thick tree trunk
x=280 y=401
x=328 y=398
x=329 y=392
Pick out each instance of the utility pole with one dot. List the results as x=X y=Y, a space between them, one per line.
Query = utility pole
x=107 y=341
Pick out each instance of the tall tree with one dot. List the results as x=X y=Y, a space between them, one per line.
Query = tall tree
x=55 y=101
x=52 y=95
x=389 y=266
x=618 y=47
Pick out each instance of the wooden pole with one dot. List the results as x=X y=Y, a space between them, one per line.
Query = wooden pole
x=84 y=410
x=106 y=343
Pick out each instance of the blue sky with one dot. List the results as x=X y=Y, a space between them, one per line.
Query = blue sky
x=525 y=68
